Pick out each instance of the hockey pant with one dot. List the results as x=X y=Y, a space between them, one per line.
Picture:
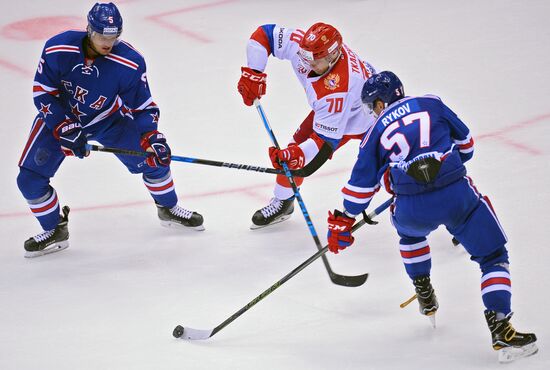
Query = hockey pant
x=42 y=156
x=283 y=189
x=468 y=216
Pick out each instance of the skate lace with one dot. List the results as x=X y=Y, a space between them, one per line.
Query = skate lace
x=272 y=208
x=43 y=236
x=181 y=212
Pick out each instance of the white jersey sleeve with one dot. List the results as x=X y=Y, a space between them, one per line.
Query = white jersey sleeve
x=271 y=39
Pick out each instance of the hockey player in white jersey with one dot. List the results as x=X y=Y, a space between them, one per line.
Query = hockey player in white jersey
x=332 y=76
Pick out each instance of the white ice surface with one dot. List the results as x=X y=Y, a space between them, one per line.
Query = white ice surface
x=111 y=300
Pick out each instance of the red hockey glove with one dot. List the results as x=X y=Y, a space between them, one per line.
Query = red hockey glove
x=293 y=156
x=72 y=139
x=155 y=142
x=251 y=85
x=339 y=231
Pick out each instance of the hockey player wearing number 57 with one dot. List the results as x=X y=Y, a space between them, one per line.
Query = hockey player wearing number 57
x=416 y=150
x=90 y=85
x=332 y=76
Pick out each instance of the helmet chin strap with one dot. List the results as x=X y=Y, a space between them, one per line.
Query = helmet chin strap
x=332 y=63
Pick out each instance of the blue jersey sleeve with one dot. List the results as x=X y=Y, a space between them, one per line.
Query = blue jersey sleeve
x=46 y=89
x=137 y=98
x=460 y=133
x=363 y=183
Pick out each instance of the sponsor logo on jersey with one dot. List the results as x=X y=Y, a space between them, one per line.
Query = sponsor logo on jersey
x=280 y=38
x=320 y=126
x=332 y=81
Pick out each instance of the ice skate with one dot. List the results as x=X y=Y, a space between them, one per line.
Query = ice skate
x=426 y=297
x=50 y=241
x=276 y=211
x=509 y=343
x=179 y=217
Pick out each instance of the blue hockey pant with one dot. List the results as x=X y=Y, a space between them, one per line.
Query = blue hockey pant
x=470 y=218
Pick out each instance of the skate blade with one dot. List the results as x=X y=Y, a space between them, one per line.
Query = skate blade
x=175 y=225
x=274 y=222
x=432 y=319
x=509 y=354
x=56 y=247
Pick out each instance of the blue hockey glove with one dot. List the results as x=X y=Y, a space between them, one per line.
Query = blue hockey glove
x=155 y=142
x=72 y=139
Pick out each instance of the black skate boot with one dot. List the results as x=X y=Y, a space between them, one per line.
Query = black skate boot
x=425 y=295
x=276 y=211
x=50 y=241
x=509 y=343
x=179 y=217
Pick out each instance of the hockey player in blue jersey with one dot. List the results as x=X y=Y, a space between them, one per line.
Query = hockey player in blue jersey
x=416 y=150
x=90 y=85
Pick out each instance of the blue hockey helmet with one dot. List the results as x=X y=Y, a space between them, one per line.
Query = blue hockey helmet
x=105 y=19
x=385 y=86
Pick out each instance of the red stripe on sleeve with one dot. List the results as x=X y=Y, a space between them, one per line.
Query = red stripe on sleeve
x=260 y=36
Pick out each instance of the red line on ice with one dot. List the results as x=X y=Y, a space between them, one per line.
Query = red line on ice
x=500 y=134
x=13 y=67
x=157 y=18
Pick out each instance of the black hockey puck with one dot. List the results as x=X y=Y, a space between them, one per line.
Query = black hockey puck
x=178 y=331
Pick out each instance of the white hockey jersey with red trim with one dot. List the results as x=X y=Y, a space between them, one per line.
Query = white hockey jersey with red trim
x=335 y=97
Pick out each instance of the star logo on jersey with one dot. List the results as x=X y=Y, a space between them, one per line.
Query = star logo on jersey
x=155 y=117
x=332 y=81
x=45 y=109
x=76 y=111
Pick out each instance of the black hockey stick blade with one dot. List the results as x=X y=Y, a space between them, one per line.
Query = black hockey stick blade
x=349 y=281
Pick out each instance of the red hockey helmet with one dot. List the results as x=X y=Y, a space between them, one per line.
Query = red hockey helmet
x=320 y=40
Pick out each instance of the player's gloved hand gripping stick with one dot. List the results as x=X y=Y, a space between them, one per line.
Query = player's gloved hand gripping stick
x=351 y=281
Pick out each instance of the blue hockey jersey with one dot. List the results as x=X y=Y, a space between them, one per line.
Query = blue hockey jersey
x=406 y=131
x=95 y=92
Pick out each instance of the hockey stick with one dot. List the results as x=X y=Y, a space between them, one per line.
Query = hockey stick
x=350 y=281
x=199 y=334
x=237 y=166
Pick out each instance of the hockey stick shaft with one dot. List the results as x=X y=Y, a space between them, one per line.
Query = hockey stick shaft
x=198 y=334
x=350 y=281
x=207 y=162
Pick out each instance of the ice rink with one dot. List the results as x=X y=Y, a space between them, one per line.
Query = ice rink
x=111 y=300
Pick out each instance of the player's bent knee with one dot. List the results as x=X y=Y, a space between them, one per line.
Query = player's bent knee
x=31 y=184
x=497 y=257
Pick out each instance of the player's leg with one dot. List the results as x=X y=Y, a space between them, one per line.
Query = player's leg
x=281 y=206
x=158 y=181
x=39 y=161
x=483 y=238
x=414 y=247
